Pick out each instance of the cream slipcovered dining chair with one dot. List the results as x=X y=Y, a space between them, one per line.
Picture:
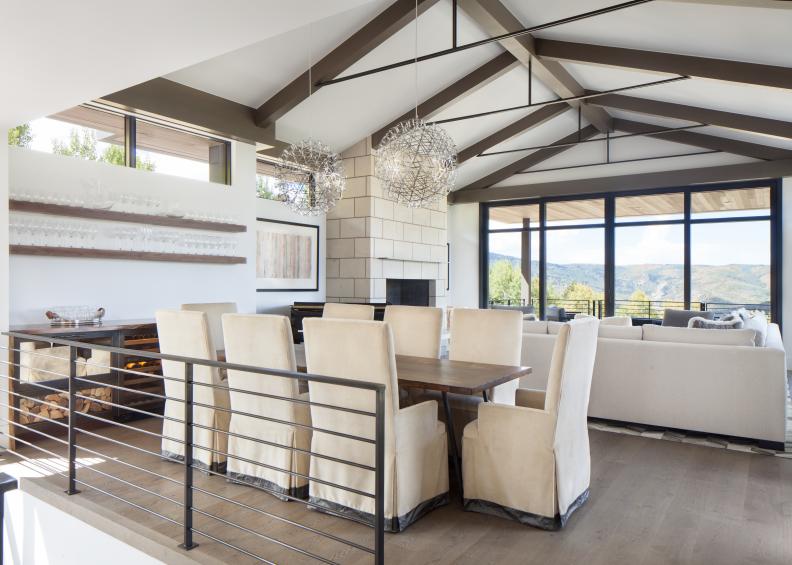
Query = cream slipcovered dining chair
x=265 y=341
x=341 y=311
x=531 y=462
x=488 y=336
x=484 y=336
x=416 y=460
x=416 y=330
x=214 y=313
x=187 y=334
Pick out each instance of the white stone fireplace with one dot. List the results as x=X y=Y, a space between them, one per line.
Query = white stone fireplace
x=371 y=239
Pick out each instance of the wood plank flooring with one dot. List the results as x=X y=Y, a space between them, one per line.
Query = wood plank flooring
x=652 y=502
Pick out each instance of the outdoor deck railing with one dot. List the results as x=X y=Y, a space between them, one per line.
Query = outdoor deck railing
x=639 y=309
x=73 y=426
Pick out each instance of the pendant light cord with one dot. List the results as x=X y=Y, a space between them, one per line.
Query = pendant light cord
x=416 y=59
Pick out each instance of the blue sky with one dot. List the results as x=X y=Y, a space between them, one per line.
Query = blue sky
x=745 y=243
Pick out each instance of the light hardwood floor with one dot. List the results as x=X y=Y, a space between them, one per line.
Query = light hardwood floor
x=652 y=502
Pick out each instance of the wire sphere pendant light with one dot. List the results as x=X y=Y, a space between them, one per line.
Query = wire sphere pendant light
x=416 y=161
x=310 y=177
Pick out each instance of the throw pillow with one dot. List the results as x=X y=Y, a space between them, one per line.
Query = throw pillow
x=728 y=323
x=679 y=318
x=756 y=321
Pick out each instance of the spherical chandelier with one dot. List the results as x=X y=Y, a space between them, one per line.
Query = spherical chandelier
x=310 y=177
x=417 y=163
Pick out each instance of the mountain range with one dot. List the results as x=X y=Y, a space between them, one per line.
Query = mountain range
x=739 y=284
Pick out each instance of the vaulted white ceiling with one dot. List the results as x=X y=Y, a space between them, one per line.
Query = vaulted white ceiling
x=342 y=114
x=56 y=54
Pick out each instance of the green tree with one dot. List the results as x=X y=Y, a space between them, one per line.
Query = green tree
x=551 y=293
x=114 y=155
x=580 y=291
x=639 y=295
x=20 y=136
x=81 y=145
x=265 y=188
x=504 y=282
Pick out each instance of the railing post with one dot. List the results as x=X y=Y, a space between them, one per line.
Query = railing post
x=72 y=433
x=188 y=458
x=379 y=480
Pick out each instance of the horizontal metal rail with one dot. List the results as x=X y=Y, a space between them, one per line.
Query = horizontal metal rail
x=263 y=536
x=68 y=387
x=350 y=383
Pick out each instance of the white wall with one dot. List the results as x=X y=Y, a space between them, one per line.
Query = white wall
x=135 y=289
x=279 y=302
x=4 y=278
x=463 y=235
x=786 y=270
x=35 y=532
x=131 y=289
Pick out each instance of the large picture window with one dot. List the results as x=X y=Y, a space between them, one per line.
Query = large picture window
x=636 y=253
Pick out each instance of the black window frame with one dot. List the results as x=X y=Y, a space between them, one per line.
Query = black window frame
x=610 y=225
x=131 y=120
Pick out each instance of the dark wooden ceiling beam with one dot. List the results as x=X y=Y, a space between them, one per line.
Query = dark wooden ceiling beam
x=707 y=141
x=468 y=84
x=720 y=69
x=532 y=120
x=367 y=38
x=495 y=19
x=531 y=160
x=170 y=100
x=641 y=181
x=731 y=120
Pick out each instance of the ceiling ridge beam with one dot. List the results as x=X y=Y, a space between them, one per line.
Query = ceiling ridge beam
x=496 y=19
x=703 y=67
x=532 y=120
x=640 y=181
x=743 y=122
x=706 y=141
x=531 y=160
x=374 y=33
x=465 y=86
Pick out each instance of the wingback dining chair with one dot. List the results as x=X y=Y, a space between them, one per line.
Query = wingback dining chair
x=343 y=311
x=530 y=462
x=416 y=329
x=214 y=312
x=186 y=333
x=244 y=336
x=483 y=336
x=416 y=460
x=488 y=336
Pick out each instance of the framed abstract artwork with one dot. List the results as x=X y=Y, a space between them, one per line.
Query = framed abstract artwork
x=287 y=256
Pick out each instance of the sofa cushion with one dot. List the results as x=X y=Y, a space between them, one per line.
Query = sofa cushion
x=652 y=332
x=534 y=326
x=679 y=318
x=756 y=321
x=728 y=323
x=621 y=332
x=554 y=327
x=616 y=321
x=524 y=309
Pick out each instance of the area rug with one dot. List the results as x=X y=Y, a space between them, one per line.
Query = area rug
x=718 y=442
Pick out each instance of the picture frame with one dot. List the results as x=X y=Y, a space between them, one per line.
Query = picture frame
x=287 y=256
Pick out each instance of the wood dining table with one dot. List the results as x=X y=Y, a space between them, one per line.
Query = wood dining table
x=444 y=376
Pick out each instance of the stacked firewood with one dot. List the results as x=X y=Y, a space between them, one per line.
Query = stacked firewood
x=37 y=411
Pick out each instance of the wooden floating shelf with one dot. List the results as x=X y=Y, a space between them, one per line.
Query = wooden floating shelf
x=118 y=254
x=110 y=215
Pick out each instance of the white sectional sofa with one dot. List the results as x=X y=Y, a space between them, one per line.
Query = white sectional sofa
x=704 y=380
